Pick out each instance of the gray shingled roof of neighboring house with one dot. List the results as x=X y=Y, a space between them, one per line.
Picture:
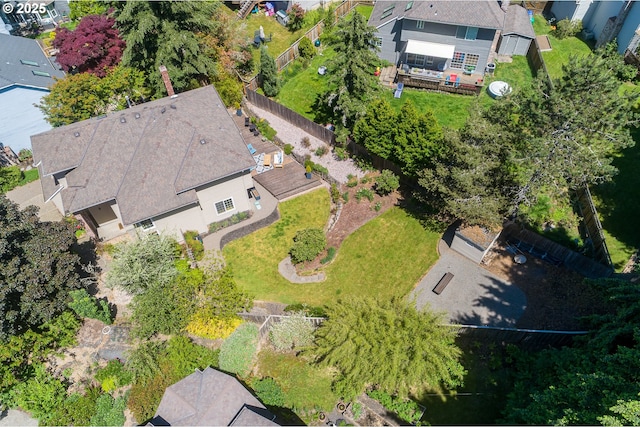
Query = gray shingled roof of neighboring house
x=481 y=14
x=210 y=398
x=517 y=22
x=148 y=158
x=13 y=72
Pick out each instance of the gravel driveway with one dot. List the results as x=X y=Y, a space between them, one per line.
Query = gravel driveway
x=338 y=169
x=474 y=296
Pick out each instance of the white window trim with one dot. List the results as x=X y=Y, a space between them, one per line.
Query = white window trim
x=227 y=210
x=379 y=41
x=141 y=227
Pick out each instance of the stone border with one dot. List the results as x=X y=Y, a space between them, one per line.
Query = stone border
x=288 y=271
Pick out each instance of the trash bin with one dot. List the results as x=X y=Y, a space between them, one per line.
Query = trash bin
x=490 y=68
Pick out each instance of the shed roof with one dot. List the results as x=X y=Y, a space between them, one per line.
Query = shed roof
x=479 y=13
x=149 y=158
x=20 y=57
x=517 y=22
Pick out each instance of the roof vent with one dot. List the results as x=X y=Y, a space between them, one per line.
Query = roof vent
x=163 y=109
x=123 y=120
x=173 y=106
x=203 y=141
x=76 y=134
x=137 y=115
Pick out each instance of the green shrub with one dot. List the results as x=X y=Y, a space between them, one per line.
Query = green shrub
x=115 y=373
x=377 y=206
x=364 y=180
x=186 y=356
x=335 y=193
x=319 y=168
x=306 y=49
x=566 y=28
x=387 y=182
x=109 y=411
x=356 y=410
x=306 y=142
x=10 y=177
x=77 y=409
x=406 y=409
x=292 y=332
x=265 y=128
x=341 y=153
x=309 y=311
x=296 y=17
x=345 y=197
x=364 y=192
x=322 y=150
x=85 y=305
x=237 y=351
x=331 y=253
x=352 y=183
x=40 y=395
x=269 y=392
x=232 y=220
x=229 y=88
x=307 y=244
x=192 y=240
x=288 y=149
x=24 y=155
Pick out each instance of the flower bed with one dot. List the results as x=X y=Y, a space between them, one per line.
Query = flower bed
x=232 y=220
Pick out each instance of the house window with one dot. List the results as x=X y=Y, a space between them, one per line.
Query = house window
x=420 y=25
x=471 y=33
x=146 y=225
x=414 y=59
x=458 y=60
x=224 y=206
x=428 y=60
x=378 y=41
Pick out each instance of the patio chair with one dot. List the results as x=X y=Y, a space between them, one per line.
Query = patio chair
x=457 y=84
x=247 y=121
x=252 y=150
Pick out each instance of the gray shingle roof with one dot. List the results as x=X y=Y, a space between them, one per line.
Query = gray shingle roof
x=517 y=22
x=479 y=13
x=210 y=398
x=148 y=158
x=13 y=72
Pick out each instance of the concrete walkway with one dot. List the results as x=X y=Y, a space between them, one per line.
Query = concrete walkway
x=31 y=194
x=474 y=296
x=268 y=204
x=13 y=417
x=288 y=271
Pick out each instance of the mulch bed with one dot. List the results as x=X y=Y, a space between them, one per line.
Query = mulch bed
x=557 y=298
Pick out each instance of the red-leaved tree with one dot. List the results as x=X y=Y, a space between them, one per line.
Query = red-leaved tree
x=93 y=47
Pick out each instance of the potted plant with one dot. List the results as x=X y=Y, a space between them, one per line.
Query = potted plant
x=238 y=110
x=308 y=172
x=322 y=416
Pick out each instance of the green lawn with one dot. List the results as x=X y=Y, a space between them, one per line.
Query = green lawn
x=386 y=257
x=561 y=50
x=306 y=387
x=29 y=176
x=364 y=10
x=618 y=204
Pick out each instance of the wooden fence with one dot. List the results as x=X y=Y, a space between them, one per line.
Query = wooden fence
x=525 y=339
x=593 y=226
x=289 y=55
x=570 y=259
x=536 y=62
x=312 y=128
x=267 y=321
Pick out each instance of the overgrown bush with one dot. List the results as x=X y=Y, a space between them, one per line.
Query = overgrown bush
x=185 y=356
x=77 y=409
x=387 y=182
x=306 y=49
x=228 y=87
x=233 y=219
x=319 y=168
x=307 y=310
x=364 y=192
x=296 y=17
x=269 y=392
x=335 y=193
x=341 y=153
x=307 y=244
x=331 y=253
x=85 y=305
x=406 y=409
x=265 y=128
x=212 y=328
x=288 y=149
x=192 y=240
x=113 y=376
x=567 y=28
x=237 y=351
x=40 y=395
x=109 y=411
x=322 y=150
x=10 y=177
x=24 y=155
x=291 y=332
x=345 y=197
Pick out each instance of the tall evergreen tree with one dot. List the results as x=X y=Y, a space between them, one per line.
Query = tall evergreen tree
x=269 y=73
x=350 y=73
x=417 y=138
x=164 y=33
x=388 y=344
x=375 y=130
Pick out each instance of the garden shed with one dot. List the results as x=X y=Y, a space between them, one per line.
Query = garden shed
x=517 y=33
x=473 y=242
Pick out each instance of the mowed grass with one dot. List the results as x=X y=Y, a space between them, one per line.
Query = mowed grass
x=561 y=50
x=384 y=258
x=305 y=386
x=618 y=204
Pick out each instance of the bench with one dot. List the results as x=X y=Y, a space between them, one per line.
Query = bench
x=443 y=283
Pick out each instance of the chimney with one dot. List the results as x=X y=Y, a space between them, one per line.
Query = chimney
x=166 y=80
x=504 y=4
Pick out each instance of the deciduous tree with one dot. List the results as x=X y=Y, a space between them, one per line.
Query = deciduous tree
x=93 y=47
x=389 y=344
x=296 y=17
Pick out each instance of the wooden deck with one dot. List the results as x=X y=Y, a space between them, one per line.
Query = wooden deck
x=287 y=181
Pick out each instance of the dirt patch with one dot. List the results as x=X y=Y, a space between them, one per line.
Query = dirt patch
x=557 y=298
